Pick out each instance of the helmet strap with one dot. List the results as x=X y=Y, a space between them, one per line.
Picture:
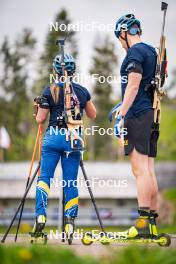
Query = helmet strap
x=126 y=39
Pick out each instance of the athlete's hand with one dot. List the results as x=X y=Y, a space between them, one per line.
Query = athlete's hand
x=118 y=126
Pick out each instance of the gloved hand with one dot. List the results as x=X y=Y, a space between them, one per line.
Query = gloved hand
x=36 y=106
x=38 y=100
x=119 y=123
x=116 y=109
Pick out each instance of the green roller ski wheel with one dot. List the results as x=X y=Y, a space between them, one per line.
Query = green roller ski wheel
x=165 y=240
x=87 y=240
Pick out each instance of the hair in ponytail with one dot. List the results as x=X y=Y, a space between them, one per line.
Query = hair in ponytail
x=55 y=92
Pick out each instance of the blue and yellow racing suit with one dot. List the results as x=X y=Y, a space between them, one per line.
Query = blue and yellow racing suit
x=54 y=148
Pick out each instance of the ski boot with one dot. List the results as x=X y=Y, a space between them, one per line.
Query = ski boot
x=37 y=234
x=69 y=229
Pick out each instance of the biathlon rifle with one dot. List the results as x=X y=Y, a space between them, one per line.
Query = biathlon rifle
x=72 y=117
x=161 y=69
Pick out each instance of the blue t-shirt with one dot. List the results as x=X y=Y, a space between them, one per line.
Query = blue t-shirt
x=143 y=57
x=57 y=109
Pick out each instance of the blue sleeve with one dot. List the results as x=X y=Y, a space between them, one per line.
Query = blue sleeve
x=45 y=98
x=135 y=60
x=86 y=94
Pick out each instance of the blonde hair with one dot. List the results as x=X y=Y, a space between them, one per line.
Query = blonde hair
x=55 y=92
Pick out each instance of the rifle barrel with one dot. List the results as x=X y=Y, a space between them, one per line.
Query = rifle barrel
x=164 y=6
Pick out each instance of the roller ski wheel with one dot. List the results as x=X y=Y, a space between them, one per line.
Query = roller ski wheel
x=164 y=240
x=87 y=239
x=38 y=238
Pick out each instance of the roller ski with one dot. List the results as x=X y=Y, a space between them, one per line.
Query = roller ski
x=144 y=231
x=69 y=229
x=37 y=234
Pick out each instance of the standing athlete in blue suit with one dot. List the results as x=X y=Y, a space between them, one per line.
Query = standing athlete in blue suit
x=137 y=116
x=55 y=146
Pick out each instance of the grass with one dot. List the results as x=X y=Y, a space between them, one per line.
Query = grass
x=170 y=195
x=167 y=139
x=36 y=254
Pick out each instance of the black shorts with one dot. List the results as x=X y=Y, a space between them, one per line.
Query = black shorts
x=141 y=135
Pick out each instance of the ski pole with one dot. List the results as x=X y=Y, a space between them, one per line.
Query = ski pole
x=91 y=195
x=28 y=179
x=21 y=203
x=63 y=218
x=40 y=145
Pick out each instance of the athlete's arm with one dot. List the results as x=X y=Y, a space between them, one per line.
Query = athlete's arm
x=42 y=115
x=90 y=110
x=131 y=91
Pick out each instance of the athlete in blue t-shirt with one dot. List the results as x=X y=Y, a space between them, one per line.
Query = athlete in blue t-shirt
x=55 y=145
x=136 y=115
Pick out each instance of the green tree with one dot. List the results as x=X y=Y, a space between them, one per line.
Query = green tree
x=104 y=64
x=51 y=49
x=15 y=109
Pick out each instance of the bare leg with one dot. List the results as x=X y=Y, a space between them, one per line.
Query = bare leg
x=140 y=169
x=154 y=184
x=146 y=192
